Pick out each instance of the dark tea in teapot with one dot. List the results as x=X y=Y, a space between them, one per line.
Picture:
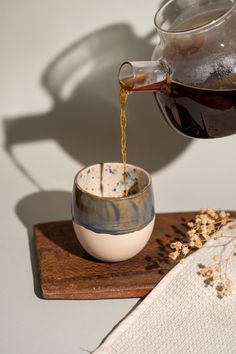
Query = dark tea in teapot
x=206 y=109
x=199 y=112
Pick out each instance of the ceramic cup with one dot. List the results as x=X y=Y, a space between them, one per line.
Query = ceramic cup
x=108 y=225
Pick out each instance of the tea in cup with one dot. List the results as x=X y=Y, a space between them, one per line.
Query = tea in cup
x=110 y=225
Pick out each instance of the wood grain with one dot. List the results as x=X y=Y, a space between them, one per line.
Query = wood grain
x=66 y=271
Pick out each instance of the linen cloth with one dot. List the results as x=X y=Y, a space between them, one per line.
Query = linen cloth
x=180 y=315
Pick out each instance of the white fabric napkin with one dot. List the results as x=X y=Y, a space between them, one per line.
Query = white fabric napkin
x=180 y=315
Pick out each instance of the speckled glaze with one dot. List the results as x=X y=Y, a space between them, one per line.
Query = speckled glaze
x=100 y=210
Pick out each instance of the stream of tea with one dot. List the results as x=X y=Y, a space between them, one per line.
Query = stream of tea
x=124 y=92
x=123 y=100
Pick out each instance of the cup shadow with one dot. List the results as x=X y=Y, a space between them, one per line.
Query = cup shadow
x=44 y=208
x=41 y=207
x=84 y=119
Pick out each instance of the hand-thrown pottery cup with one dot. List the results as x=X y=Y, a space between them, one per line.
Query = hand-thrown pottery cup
x=108 y=225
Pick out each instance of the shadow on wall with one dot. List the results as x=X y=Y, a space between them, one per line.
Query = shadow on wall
x=84 y=119
x=41 y=207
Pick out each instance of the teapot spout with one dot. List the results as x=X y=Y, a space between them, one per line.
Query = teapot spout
x=143 y=75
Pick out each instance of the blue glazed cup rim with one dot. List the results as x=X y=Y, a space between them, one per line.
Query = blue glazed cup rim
x=133 y=196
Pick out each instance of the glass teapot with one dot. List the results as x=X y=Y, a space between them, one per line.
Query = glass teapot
x=193 y=68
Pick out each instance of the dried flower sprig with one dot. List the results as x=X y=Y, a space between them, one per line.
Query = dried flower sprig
x=206 y=226
x=213 y=276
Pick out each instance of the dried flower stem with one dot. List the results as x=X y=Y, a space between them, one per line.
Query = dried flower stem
x=228 y=258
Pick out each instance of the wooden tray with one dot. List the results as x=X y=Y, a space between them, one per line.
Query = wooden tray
x=67 y=272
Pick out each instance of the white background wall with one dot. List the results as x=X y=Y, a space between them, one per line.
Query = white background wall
x=57 y=118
